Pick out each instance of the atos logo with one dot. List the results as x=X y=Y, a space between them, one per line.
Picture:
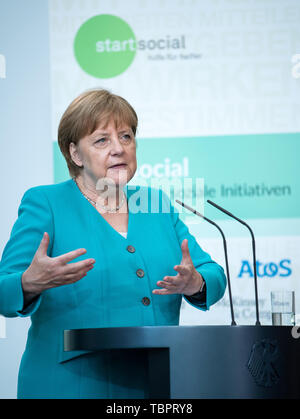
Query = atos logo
x=270 y=269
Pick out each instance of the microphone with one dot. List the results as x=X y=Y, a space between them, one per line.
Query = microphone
x=253 y=251
x=233 y=323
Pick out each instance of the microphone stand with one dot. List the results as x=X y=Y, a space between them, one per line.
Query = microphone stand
x=233 y=323
x=253 y=251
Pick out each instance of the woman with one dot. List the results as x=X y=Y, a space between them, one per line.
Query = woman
x=88 y=252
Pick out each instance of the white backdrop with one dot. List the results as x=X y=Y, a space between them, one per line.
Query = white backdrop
x=210 y=76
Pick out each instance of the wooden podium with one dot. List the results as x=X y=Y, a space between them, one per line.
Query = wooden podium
x=191 y=362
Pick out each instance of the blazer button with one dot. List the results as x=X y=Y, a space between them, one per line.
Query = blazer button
x=130 y=249
x=146 y=301
x=140 y=273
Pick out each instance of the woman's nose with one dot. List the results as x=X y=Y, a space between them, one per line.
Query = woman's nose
x=116 y=147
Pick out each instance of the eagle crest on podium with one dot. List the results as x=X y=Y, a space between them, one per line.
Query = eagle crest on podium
x=262 y=362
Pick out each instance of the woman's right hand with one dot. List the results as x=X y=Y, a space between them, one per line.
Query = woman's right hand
x=45 y=272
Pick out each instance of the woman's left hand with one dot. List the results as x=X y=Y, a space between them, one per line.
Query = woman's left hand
x=188 y=281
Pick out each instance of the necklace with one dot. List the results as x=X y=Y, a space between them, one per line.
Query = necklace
x=105 y=207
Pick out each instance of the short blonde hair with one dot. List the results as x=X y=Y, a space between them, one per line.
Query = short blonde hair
x=85 y=113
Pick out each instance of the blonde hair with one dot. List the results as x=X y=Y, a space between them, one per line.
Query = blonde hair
x=85 y=113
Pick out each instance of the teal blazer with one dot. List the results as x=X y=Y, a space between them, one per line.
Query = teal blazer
x=109 y=296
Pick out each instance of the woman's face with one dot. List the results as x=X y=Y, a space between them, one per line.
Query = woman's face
x=107 y=152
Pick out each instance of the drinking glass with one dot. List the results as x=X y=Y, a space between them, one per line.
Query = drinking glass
x=283 y=308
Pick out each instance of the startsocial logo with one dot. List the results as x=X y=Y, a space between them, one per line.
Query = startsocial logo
x=269 y=269
x=105 y=45
x=2 y=67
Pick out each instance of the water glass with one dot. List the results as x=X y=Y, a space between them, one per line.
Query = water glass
x=283 y=308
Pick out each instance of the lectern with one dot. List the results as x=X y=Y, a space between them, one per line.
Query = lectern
x=188 y=362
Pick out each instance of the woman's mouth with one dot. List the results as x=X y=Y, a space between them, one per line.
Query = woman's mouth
x=118 y=166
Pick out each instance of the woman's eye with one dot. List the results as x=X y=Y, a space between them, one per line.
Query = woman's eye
x=101 y=140
x=126 y=137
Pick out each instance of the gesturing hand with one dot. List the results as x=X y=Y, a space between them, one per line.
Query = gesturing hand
x=45 y=272
x=188 y=281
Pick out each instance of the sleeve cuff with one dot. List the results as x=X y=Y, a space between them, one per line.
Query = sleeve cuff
x=215 y=284
x=199 y=299
x=30 y=308
x=215 y=281
x=12 y=299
